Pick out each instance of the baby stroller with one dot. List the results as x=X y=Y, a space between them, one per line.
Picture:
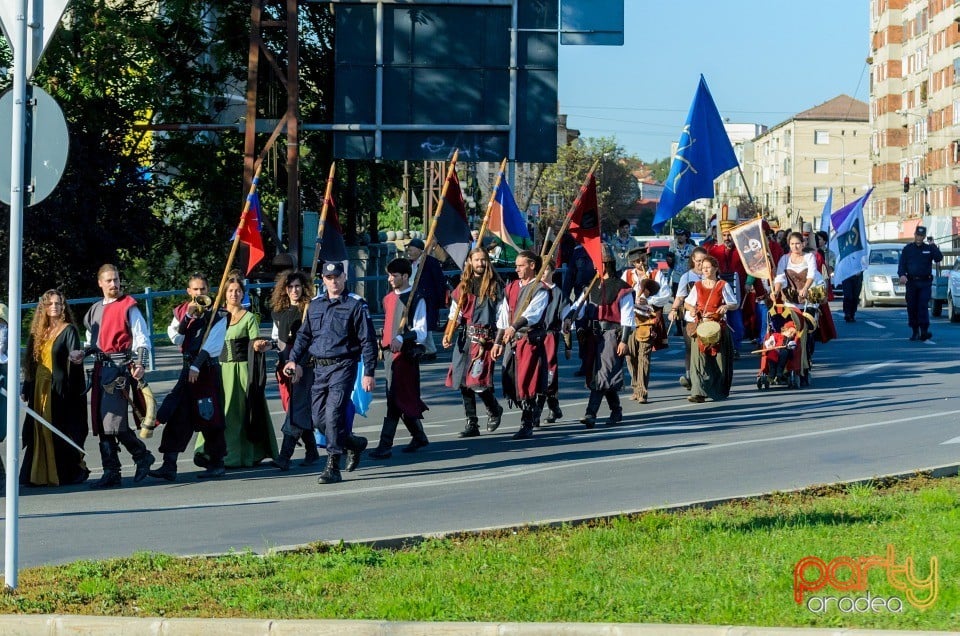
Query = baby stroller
x=785 y=359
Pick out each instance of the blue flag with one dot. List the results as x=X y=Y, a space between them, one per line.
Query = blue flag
x=505 y=220
x=849 y=242
x=825 y=215
x=703 y=153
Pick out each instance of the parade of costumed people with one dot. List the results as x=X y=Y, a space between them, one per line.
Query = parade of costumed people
x=55 y=389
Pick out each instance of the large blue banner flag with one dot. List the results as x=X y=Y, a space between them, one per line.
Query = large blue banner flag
x=505 y=219
x=703 y=153
x=849 y=242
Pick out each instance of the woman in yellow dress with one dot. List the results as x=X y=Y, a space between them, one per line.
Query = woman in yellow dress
x=55 y=388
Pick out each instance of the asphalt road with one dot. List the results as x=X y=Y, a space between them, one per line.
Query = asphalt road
x=878 y=404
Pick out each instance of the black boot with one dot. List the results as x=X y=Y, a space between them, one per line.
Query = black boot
x=388 y=430
x=358 y=444
x=141 y=456
x=589 y=420
x=526 y=425
x=616 y=411
x=472 y=429
x=310 y=445
x=215 y=471
x=417 y=433
x=168 y=469
x=494 y=412
x=925 y=333
x=287 y=447
x=555 y=413
x=111 y=465
x=331 y=474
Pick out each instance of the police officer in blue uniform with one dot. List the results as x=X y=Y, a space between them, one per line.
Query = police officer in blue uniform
x=916 y=272
x=336 y=333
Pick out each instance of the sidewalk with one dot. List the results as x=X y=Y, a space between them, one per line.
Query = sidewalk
x=58 y=625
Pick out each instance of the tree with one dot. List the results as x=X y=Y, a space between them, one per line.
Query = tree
x=560 y=183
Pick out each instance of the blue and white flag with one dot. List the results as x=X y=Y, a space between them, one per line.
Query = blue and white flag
x=825 y=215
x=703 y=154
x=849 y=242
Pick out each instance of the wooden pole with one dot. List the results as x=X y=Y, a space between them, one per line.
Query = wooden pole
x=493 y=198
x=323 y=220
x=431 y=238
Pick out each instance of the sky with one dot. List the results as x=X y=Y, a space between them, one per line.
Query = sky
x=764 y=61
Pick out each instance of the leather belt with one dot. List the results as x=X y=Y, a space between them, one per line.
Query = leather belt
x=606 y=325
x=325 y=362
x=922 y=278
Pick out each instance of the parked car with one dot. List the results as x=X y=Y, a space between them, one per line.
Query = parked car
x=881 y=285
x=953 y=292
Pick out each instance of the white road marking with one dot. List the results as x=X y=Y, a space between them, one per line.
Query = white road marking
x=868 y=369
x=875 y=325
x=955 y=440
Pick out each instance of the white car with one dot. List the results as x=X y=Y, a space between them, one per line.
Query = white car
x=953 y=292
x=881 y=285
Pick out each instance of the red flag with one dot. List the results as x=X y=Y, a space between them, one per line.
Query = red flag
x=585 y=222
x=249 y=232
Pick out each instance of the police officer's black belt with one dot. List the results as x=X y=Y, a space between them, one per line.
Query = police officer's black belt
x=326 y=362
x=909 y=277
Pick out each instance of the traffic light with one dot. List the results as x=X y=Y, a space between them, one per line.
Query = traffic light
x=906 y=184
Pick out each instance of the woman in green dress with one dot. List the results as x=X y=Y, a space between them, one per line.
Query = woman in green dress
x=249 y=431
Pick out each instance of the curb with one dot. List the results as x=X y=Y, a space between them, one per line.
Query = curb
x=55 y=625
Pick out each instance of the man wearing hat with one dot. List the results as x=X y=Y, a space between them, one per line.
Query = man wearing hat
x=336 y=334
x=432 y=287
x=651 y=293
x=916 y=272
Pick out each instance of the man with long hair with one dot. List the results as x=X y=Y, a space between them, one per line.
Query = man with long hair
x=117 y=334
x=474 y=306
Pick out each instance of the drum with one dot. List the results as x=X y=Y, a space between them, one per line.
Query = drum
x=708 y=333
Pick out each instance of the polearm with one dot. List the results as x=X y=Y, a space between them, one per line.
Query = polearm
x=493 y=199
x=431 y=238
x=53 y=429
x=323 y=221
x=236 y=237
x=522 y=307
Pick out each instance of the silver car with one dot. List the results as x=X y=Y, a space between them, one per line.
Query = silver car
x=881 y=285
x=953 y=292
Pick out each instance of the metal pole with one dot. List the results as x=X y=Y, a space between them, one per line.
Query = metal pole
x=18 y=37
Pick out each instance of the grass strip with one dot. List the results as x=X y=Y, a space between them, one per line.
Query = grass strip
x=732 y=564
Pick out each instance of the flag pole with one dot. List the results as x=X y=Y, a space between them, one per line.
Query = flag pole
x=563 y=228
x=493 y=198
x=431 y=238
x=745 y=186
x=323 y=220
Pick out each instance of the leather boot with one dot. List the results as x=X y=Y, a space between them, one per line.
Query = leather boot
x=310 y=445
x=141 y=456
x=111 y=466
x=168 y=469
x=417 y=433
x=526 y=425
x=472 y=429
x=589 y=420
x=331 y=474
x=494 y=411
x=554 y=405
x=287 y=447
x=358 y=444
x=388 y=431
x=216 y=470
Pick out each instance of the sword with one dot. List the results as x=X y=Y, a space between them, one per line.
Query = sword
x=50 y=426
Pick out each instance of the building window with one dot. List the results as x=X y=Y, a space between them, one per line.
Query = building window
x=821 y=166
x=821 y=137
x=820 y=194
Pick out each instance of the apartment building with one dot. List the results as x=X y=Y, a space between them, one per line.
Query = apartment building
x=791 y=168
x=914 y=112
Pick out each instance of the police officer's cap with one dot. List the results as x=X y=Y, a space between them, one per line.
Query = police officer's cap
x=417 y=243
x=920 y=231
x=332 y=268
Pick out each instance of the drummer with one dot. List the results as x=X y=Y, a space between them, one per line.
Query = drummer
x=711 y=356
